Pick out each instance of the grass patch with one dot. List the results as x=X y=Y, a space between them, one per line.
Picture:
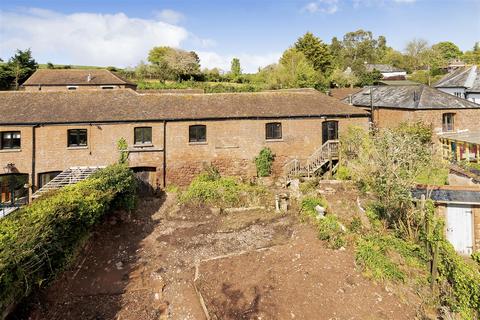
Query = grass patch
x=330 y=230
x=308 y=204
x=437 y=177
x=220 y=191
x=385 y=257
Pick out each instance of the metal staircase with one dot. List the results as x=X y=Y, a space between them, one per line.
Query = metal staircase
x=65 y=178
x=324 y=155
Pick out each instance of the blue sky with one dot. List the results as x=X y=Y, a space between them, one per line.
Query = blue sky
x=121 y=32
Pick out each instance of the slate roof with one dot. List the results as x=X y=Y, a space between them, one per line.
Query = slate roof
x=342 y=93
x=448 y=194
x=466 y=77
x=383 y=68
x=17 y=107
x=419 y=97
x=63 y=77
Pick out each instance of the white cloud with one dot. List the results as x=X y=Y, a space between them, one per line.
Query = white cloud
x=249 y=62
x=85 y=38
x=324 y=6
x=169 y=16
x=107 y=39
x=372 y=3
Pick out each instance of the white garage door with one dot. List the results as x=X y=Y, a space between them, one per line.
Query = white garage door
x=459 y=228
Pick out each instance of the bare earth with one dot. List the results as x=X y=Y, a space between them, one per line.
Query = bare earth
x=164 y=260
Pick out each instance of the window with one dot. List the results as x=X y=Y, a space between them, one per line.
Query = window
x=329 y=130
x=46 y=177
x=458 y=94
x=77 y=137
x=448 y=122
x=107 y=87
x=10 y=140
x=273 y=131
x=142 y=135
x=197 y=133
x=72 y=87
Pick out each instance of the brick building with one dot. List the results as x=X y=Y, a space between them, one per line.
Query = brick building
x=393 y=105
x=170 y=136
x=75 y=79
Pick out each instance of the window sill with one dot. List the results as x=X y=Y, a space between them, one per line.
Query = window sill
x=198 y=143
x=77 y=148
x=274 y=140
x=10 y=150
x=145 y=145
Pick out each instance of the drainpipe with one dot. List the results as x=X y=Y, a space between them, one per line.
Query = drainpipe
x=34 y=144
x=164 y=154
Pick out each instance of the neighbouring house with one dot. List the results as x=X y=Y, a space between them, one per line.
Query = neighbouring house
x=75 y=79
x=454 y=64
x=388 y=72
x=463 y=82
x=171 y=137
x=392 y=105
x=462 y=146
x=459 y=206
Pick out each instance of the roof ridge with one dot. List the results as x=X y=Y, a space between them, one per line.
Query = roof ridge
x=446 y=78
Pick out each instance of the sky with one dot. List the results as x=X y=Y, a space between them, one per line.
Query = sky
x=121 y=32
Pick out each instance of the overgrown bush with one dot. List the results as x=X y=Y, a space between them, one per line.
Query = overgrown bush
x=221 y=191
x=308 y=186
x=38 y=241
x=330 y=230
x=464 y=279
x=376 y=253
x=264 y=162
x=308 y=204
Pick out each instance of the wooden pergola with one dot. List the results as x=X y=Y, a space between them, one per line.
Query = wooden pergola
x=461 y=146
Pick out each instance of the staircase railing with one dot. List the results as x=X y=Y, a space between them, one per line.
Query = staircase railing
x=328 y=151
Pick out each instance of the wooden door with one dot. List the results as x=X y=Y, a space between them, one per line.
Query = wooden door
x=459 y=228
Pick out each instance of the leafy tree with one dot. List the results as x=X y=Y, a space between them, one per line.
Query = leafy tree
x=21 y=66
x=174 y=64
x=340 y=78
x=447 y=50
x=316 y=52
x=50 y=65
x=359 y=47
x=473 y=56
x=293 y=71
x=336 y=48
x=235 y=69
x=369 y=78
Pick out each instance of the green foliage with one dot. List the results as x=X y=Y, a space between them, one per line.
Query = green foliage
x=219 y=191
x=174 y=64
x=356 y=225
x=235 y=70
x=308 y=204
x=316 y=52
x=37 y=241
x=122 y=147
x=215 y=87
x=448 y=50
x=368 y=78
x=343 y=173
x=376 y=253
x=264 y=162
x=17 y=69
x=476 y=257
x=464 y=279
x=330 y=230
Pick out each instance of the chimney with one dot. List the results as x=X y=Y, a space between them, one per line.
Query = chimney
x=89 y=77
x=350 y=100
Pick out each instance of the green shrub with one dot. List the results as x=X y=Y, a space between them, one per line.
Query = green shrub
x=356 y=225
x=308 y=204
x=343 y=173
x=221 y=191
x=476 y=257
x=39 y=240
x=264 y=162
x=374 y=253
x=330 y=230
x=464 y=279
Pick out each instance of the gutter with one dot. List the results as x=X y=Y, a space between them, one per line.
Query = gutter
x=34 y=147
x=345 y=116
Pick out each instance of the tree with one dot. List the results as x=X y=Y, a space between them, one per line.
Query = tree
x=340 y=78
x=316 y=52
x=416 y=52
x=473 y=56
x=336 y=48
x=17 y=69
x=447 y=50
x=50 y=65
x=359 y=48
x=235 y=69
x=174 y=64
x=295 y=71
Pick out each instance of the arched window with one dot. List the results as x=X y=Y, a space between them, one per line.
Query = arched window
x=273 y=130
x=197 y=133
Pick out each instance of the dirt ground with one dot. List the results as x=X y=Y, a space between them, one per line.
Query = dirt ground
x=167 y=262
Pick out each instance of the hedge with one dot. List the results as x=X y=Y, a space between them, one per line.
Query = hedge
x=39 y=240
